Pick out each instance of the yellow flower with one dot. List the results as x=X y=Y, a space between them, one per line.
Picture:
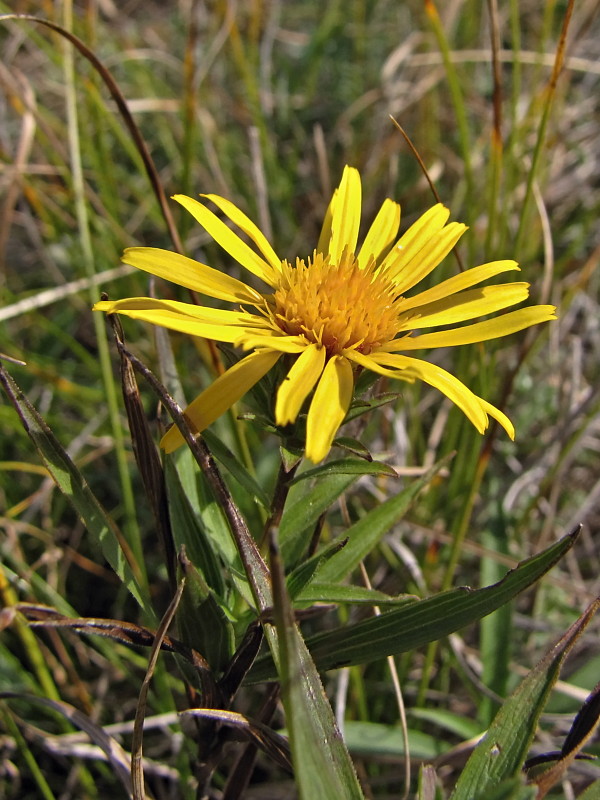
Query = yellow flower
x=333 y=313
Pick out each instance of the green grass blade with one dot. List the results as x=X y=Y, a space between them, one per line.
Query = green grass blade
x=223 y=454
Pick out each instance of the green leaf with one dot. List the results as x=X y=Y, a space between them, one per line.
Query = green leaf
x=365 y=534
x=304 y=572
x=353 y=446
x=317 y=592
x=204 y=506
x=513 y=789
x=323 y=768
x=347 y=466
x=385 y=741
x=419 y=622
x=364 y=406
x=501 y=753
x=73 y=485
x=201 y=621
x=457 y=724
x=189 y=532
x=303 y=510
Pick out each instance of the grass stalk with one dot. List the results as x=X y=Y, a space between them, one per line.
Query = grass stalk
x=458 y=104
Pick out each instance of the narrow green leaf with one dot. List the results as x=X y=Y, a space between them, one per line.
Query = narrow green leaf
x=364 y=406
x=365 y=534
x=512 y=789
x=385 y=741
x=305 y=572
x=347 y=466
x=303 y=510
x=353 y=446
x=501 y=753
x=204 y=506
x=201 y=622
x=420 y=622
x=73 y=485
x=317 y=592
x=457 y=724
x=188 y=531
x=323 y=768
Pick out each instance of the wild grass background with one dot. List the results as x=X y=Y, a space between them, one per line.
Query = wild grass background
x=264 y=102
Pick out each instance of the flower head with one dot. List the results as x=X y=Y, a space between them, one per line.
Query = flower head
x=332 y=313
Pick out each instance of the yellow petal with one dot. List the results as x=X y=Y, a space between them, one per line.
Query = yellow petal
x=499 y=416
x=409 y=270
x=503 y=325
x=221 y=395
x=299 y=383
x=189 y=273
x=201 y=313
x=249 y=340
x=381 y=234
x=250 y=229
x=403 y=367
x=428 y=224
x=465 y=305
x=228 y=240
x=210 y=323
x=329 y=406
x=325 y=235
x=464 y=280
x=345 y=220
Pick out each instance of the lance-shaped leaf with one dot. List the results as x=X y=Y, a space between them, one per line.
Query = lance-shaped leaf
x=422 y=621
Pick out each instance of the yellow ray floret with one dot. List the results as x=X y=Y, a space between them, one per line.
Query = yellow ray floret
x=333 y=312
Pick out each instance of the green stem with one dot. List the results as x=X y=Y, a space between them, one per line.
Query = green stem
x=548 y=98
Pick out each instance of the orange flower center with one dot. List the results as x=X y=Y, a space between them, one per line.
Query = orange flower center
x=339 y=306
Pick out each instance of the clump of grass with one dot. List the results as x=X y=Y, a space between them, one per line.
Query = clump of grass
x=265 y=104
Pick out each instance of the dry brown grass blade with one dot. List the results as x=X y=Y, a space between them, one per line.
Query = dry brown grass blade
x=126 y=633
